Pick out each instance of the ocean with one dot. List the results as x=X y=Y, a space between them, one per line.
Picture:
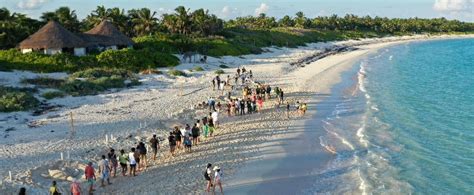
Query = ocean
x=402 y=122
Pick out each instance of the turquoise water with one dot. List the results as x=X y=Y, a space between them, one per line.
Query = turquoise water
x=405 y=121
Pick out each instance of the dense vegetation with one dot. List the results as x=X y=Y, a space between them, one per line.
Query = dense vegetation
x=187 y=30
x=16 y=99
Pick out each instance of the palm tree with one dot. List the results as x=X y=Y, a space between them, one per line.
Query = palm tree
x=183 y=21
x=144 y=21
x=63 y=15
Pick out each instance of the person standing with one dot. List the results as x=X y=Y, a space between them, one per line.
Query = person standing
x=113 y=161
x=218 y=82
x=281 y=97
x=75 y=187
x=104 y=171
x=172 y=143
x=133 y=162
x=155 y=145
x=89 y=173
x=238 y=71
x=123 y=159
x=53 y=190
x=195 y=133
x=218 y=179
x=288 y=109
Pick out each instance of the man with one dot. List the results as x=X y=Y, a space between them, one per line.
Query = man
x=155 y=145
x=89 y=172
x=104 y=171
x=238 y=71
x=195 y=133
x=211 y=102
x=132 y=162
x=172 y=142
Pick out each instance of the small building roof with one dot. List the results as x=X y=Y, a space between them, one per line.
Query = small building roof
x=106 y=34
x=52 y=35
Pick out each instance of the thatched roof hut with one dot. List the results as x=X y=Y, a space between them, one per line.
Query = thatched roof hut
x=106 y=34
x=52 y=35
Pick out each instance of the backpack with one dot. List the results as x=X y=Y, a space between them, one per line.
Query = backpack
x=206 y=176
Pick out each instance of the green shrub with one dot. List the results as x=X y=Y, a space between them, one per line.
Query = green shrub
x=14 y=99
x=44 y=82
x=198 y=68
x=223 y=66
x=53 y=94
x=219 y=72
x=174 y=72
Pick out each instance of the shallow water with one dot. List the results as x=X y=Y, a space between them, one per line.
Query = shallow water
x=403 y=122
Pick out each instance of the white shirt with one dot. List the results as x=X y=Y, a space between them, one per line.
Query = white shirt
x=217 y=176
x=104 y=165
x=215 y=116
x=131 y=158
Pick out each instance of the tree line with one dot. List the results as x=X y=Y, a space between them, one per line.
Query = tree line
x=14 y=27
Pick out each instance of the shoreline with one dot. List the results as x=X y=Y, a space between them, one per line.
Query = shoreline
x=245 y=134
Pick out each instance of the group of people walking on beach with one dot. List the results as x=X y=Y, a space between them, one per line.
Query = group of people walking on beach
x=182 y=137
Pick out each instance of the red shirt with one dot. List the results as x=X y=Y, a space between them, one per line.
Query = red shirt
x=89 y=172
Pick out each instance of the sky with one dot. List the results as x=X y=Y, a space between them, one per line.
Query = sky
x=452 y=9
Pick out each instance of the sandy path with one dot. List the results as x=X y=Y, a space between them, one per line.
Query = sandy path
x=239 y=140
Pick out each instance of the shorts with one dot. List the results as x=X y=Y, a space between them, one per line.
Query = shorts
x=155 y=150
x=172 y=147
x=123 y=165
x=105 y=175
x=133 y=165
x=90 y=181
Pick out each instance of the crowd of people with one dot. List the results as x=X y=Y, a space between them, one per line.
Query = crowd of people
x=242 y=98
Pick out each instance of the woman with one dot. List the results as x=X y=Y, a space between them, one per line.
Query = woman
x=113 y=161
x=207 y=176
x=123 y=159
x=218 y=178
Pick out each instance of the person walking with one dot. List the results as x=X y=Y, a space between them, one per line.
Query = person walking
x=172 y=142
x=104 y=170
x=218 y=179
x=89 y=173
x=155 y=145
x=207 y=177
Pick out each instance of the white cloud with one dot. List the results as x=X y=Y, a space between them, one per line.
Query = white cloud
x=263 y=8
x=228 y=12
x=31 y=4
x=453 y=5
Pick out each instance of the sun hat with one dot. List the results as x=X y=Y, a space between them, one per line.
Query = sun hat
x=216 y=168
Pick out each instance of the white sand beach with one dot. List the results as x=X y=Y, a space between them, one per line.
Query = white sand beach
x=256 y=152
